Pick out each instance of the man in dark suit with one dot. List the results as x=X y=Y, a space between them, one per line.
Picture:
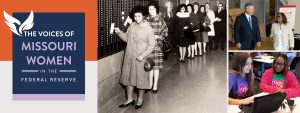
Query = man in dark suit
x=246 y=29
x=220 y=27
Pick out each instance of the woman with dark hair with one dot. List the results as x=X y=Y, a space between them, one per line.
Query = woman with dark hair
x=182 y=23
x=140 y=43
x=197 y=19
x=282 y=34
x=280 y=79
x=205 y=24
x=160 y=29
x=190 y=34
x=241 y=80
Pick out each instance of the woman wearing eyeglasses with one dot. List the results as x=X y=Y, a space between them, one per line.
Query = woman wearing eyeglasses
x=282 y=34
x=279 y=79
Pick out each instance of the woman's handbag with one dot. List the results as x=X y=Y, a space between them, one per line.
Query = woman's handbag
x=167 y=47
x=207 y=29
x=164 y=46
x=202 y=28
x=149 y=63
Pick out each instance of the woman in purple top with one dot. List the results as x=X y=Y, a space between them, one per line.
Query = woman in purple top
x=240 y=80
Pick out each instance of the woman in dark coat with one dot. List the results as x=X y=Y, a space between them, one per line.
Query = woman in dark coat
x=206 y=23
x=197 y=20
x=182 y=22
x=190 y=33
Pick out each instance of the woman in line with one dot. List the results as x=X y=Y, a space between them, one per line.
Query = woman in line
x=182 y=23
x=241 y=80
x=212 y=17
x=197 y=21
x=280 y=79
x=282 y=34
x=160 y=29
x=205 y=23
x=191 y=36
x=140 y=43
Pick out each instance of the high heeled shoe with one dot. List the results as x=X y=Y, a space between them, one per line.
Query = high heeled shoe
x=182 y=61
x=189 y=56
x=139 y=106
x=179 y=60
x=154 y=91
x=125 y=105
x=147 y=90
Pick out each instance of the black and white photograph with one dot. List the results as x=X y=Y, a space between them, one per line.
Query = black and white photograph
x=162 y=56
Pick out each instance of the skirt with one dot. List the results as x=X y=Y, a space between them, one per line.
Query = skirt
x=183 y=42
x=158 y=56
x=192 y=40
x=205 y=37
x=198 y=37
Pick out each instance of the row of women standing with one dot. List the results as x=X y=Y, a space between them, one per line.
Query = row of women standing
x=144 y=38
x=195 y=26
x=188 y=21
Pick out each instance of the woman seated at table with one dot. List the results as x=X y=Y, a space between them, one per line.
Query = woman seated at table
x=241 y=80
x=279 y=79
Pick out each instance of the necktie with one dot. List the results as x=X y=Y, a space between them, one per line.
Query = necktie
x=250 y=22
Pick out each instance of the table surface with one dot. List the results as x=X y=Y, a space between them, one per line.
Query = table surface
x=236 y=109
x=264 y=59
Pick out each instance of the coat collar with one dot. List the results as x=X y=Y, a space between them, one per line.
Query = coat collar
x=142 y=24
x=182 y=15
x=153 y=18
x=246 y=15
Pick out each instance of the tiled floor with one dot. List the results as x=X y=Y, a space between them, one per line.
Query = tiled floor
x=196 y=86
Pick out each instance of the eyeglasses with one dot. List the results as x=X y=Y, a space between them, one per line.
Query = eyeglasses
x=279 y=64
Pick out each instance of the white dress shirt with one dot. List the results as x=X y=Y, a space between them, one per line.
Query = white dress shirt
x=212 y=18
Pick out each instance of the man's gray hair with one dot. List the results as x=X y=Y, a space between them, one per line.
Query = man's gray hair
x=248 y=4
